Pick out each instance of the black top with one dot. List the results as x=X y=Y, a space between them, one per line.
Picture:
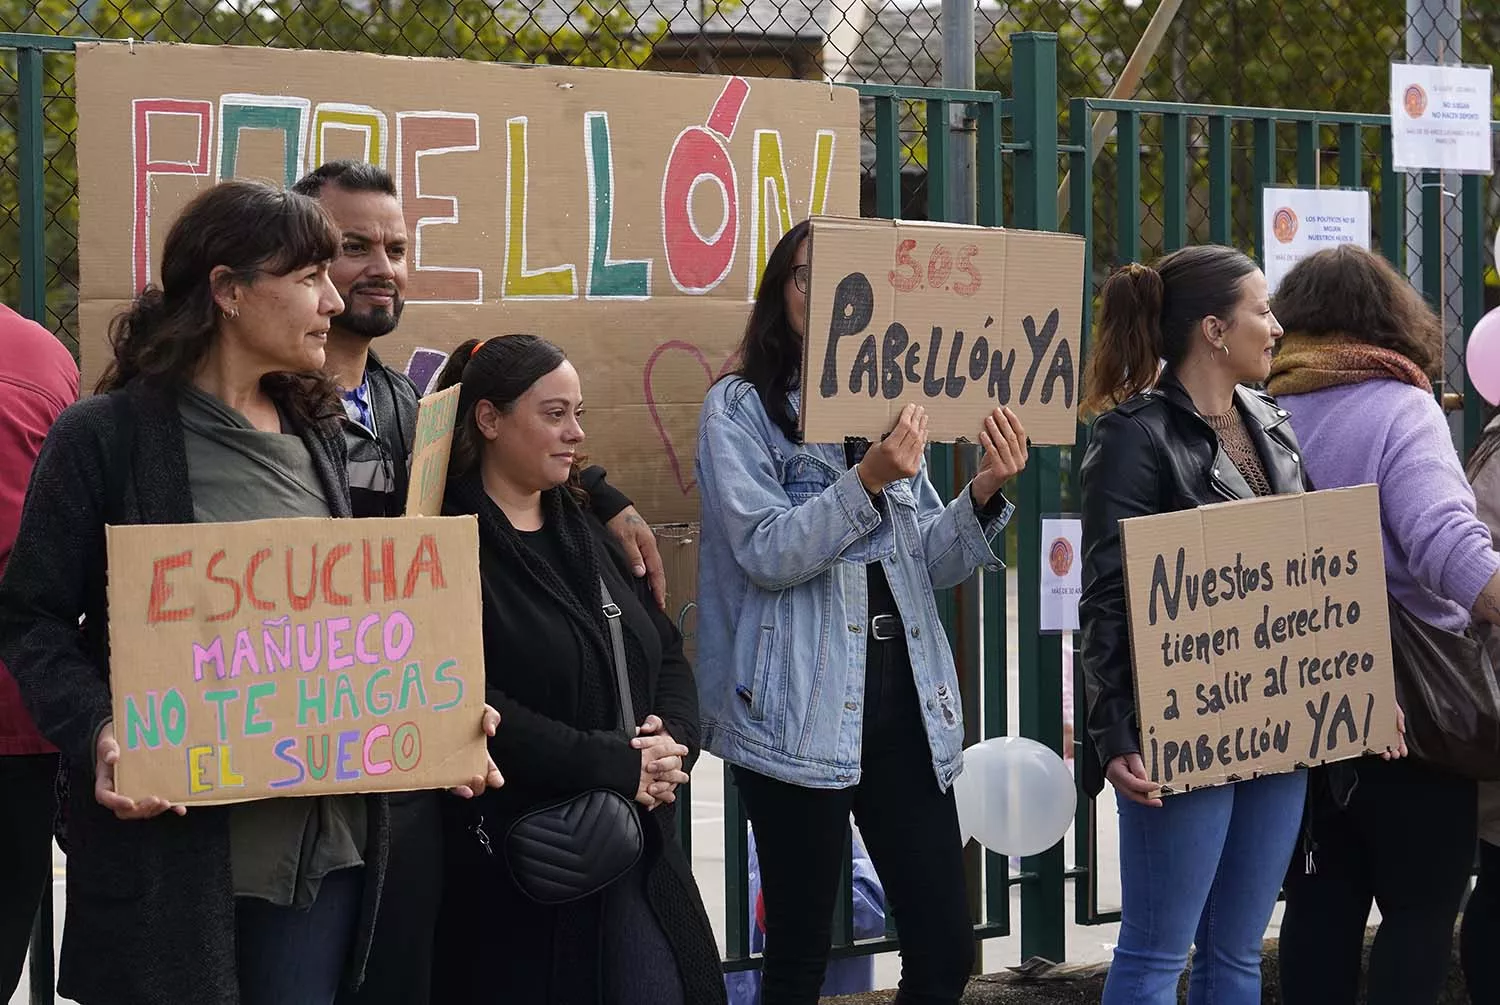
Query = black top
x=549 y=671
x=1153 y=454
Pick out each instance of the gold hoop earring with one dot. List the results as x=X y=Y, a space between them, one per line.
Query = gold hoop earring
x=231 y=312
x=1225 y=347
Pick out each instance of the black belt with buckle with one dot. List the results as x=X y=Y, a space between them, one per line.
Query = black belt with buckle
x=885 y=627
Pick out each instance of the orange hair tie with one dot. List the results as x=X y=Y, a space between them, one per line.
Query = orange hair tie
x=477 y=346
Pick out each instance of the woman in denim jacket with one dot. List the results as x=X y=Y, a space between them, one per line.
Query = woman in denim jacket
x=825 y=678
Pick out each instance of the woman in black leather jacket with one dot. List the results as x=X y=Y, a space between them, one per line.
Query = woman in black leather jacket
x=1176 y=344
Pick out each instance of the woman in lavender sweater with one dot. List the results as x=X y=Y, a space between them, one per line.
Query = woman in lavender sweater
x=1353 y=371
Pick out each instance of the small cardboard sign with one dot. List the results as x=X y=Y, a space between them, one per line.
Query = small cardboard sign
x=1298 y=222
x=295 y=657
x=956 y=319
x=1260 y=636
x=429 y=456
x=1440 y=118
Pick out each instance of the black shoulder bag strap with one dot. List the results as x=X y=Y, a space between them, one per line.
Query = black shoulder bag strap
x=617 y=641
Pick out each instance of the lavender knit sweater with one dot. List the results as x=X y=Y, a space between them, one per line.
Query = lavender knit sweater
x=1438 y=555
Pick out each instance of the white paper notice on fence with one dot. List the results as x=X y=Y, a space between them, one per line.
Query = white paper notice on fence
x=1298 y=222
x=1062 y=579
x=1440 y=118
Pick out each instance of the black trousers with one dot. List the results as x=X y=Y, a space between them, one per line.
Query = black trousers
x=1479 y=938
x=26 y=787
x=911 y=831
x=399 y=970
x=1405 y=841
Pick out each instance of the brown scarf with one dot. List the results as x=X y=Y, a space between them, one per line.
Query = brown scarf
x=1306 y=363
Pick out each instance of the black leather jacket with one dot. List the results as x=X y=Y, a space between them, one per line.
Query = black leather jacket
x=1153 y=454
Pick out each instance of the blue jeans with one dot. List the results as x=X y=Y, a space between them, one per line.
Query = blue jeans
x=1204 y=871
x=291 y=956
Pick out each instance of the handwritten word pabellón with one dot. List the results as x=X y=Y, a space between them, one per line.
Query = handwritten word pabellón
x=887 y=366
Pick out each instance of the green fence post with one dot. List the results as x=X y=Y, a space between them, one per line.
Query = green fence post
x=1433 y=240
x=33 y=163
x=1351 y=155
x=1127 y=187
x=1309 y=159
x=1085 y=847
x=1392 y=202
x=1264 y=153
x=1034 y=84
x=888 y=157
x=989 y=192
x=1174 y=152
x=736 y=873
x=1473 y=193
x=1220 y=179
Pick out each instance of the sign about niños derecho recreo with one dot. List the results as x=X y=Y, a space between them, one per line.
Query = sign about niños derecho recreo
x=1261 y=636
x=625 y=215
x=295 y=657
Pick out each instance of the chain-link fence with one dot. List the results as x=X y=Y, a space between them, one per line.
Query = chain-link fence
x=1272 y=53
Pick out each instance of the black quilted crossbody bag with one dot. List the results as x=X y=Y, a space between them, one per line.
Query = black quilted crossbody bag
x=574 y=848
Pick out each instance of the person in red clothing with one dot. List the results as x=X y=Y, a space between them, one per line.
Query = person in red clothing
x=38 y=379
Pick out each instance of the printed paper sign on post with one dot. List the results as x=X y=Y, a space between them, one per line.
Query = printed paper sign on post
x=1298 y=222
x=1062 y=573
x=1260 y=636
x=1440 y=118
x=295 y=657
x=956 y=319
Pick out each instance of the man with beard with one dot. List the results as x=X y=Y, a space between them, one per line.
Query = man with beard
x=380 y=405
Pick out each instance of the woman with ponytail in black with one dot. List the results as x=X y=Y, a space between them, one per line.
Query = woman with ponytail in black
x=213 y=410
x=592 y=766
x=1177 y=429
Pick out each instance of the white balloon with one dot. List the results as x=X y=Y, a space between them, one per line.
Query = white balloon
x=968 y=790
x=1015 y=796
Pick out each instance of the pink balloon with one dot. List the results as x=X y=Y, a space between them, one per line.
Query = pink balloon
x=1482 y=357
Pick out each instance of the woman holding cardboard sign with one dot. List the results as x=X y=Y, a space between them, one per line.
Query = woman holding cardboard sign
x=569 y=885
x=215 y=412
x=825 y=675
x=1200 y=868
x=1355 y=371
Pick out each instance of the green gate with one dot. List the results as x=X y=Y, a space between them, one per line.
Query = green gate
x=1164 y=158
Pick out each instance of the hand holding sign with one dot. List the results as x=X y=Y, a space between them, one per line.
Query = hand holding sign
x=491 y=779
x=1127 y=773
x=106 y=756
x=899 y=454
x=1004 y=441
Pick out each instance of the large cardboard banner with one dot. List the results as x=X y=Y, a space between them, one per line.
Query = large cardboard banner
x=625 y=215
x=295 y=657
x=956 y=319
x=1261 y=636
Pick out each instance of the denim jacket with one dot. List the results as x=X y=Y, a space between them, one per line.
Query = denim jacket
x=782 y=595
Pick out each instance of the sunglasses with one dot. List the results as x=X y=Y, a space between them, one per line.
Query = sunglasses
x=799 y=277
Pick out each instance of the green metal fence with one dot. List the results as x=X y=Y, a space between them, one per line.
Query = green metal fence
x=1023 y=142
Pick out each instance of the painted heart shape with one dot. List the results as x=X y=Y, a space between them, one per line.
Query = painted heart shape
x=685 y=481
